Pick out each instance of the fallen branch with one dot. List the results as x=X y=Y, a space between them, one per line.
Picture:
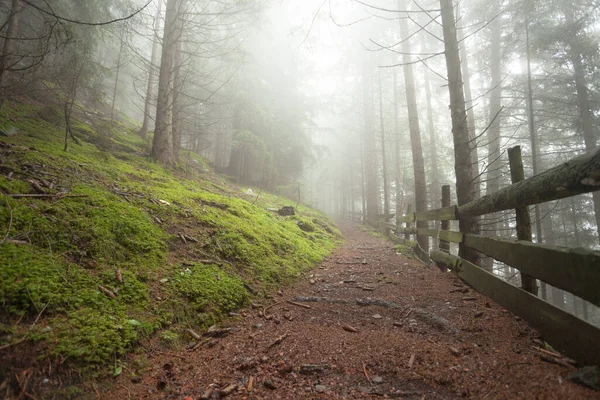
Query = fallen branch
x=228 y=390
x=53 y=196
x=170 y=354
x=278 y=340
x=554 y=360
x=266 y=308
x=365 y=371
x=554 y=354
x=193 y=334
x=191 y=238
x=315 y=299
x=361 y=302
x=298 y=304
x=434 y=320
x=213 y=331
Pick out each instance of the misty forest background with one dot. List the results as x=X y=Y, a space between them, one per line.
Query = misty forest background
x=336 y=103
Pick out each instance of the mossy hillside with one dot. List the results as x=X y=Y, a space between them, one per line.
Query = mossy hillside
x=58 y=252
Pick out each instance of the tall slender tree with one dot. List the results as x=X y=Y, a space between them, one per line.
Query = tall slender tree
x=466 y=74
x=386 y=189
x=370 y=151
x=162 y=144
x=414 y=128
x=152 y=70
x=463 y=166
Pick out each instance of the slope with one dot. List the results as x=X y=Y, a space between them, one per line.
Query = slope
x=117 y=249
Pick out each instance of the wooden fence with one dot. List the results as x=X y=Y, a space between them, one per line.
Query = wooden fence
x=575 y=270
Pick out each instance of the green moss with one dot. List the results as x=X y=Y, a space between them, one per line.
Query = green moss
x=75 y=245
x=83 y=322
x=209 y=290
x=406 y=249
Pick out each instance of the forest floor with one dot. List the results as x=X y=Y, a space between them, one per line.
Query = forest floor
x=371 y=323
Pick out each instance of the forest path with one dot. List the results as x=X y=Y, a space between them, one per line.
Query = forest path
x=415 y=332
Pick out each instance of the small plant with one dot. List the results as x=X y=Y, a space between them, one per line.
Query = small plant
x=169 y=337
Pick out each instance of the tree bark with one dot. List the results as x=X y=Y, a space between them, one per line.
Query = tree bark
x=414 y=128
x=151 y=73
x=583 y=103
x=436 y=194
x=469 y=108
x=162 y=145
x=460 y=133
x=494 y=164
x=372 y=192
x=386 y=189
x=116 y=86
x=177 y=106
x=7 y=49
x=399 y=188
x=535 y=158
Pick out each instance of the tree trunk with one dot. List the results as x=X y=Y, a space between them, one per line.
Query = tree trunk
x=535 y=161
x=460 y=133
x=414 y=128
x=469 y=108
x=386 y=189
x=363 y=185
x=435 y=174
x=151 y=73
x=7 y=49
x=373 y=198
x=587 y=123
x=494 y=164
x=399 y=188
x=162 y=145
x=116 y=86
x=177 y=106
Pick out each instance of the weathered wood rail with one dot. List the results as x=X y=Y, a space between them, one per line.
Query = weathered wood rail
x=575 y=270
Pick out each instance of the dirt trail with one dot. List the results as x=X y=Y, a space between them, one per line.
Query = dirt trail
x=379 y=325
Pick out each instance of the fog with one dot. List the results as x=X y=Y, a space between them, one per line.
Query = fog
x=359 y=108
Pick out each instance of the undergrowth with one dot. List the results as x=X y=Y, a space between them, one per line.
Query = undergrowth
x=90 y=276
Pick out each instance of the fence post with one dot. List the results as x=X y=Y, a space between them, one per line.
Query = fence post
x=517 y=174
x=408 y=224
x=444 y=244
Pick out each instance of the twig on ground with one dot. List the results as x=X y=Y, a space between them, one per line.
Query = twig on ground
x=365 y=371
x=298 y=304
x=54 y=196
x=193 y=334
x=9 y=223
x=266 y=308
x=171 y=354
x=6 y=346
x=278 y=340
